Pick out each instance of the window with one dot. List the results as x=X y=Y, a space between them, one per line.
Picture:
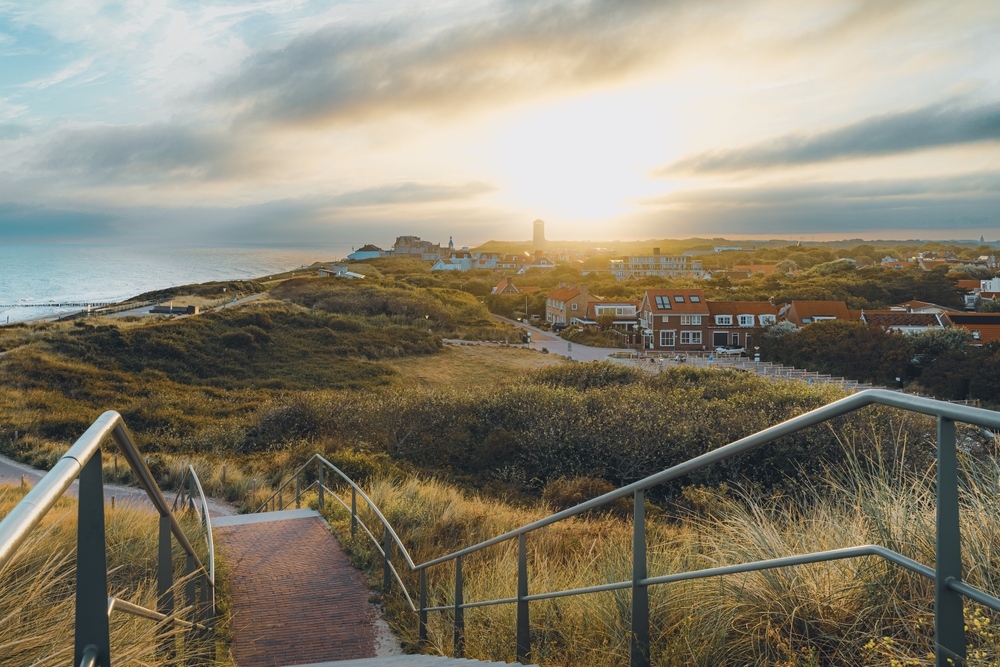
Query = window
x=736 y=339
x=574 y=306
x=678 y=298
x=724 y=320
x=666 y=319
x=695 y=298
x=666 y=339
x=766 y=320
x=719 y=339
x=690 y=320
x=663 y=303
x=746 y=320
x=619 y=311
x=806 y=320
x=690 y=338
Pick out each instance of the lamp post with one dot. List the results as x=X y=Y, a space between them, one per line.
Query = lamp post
x=756 y=354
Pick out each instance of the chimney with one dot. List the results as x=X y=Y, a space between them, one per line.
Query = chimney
x=656 y=251
x=583 y=289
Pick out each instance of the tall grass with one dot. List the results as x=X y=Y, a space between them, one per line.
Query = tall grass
x=37 y=598
x=853 y=612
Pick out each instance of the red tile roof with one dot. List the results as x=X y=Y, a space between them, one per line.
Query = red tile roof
x=564 y=293
x=799 y=311
x=968 y=284
x=987 y=324
x=889 y=319
x=684 y=306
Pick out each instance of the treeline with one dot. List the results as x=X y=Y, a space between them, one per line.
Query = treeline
x=940 y=363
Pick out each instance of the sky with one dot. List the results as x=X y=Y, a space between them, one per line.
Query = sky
x=292 y=122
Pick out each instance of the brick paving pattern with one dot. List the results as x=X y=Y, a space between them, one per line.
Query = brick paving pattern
x=296 y=597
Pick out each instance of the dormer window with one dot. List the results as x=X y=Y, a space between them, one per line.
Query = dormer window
x=663 y=303
x=679 y=299
x=746 y=320
x=724 y=320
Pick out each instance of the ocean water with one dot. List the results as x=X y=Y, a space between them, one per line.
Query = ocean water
x=43 y=273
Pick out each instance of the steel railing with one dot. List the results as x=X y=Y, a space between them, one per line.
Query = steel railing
x=93 y=606
x=949 y=590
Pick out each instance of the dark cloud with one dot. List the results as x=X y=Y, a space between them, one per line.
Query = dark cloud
x=960 y=202
x=410 y=193
x=902 y=132
x=140 y=153
x=21 y=222
x=527 y=49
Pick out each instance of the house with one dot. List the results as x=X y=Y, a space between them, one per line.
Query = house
x=914 y=306
x=931 y=264
x=450 y=265
x=901 y=321
x=338 y=271
x=756 y=269
x=412 y=247
x=737 y=323
x=984 y=327
x=801 y=313
x=634 y=267
x=897 y=264
x=624 y=314
x=567 y=302
x=671 y=319
x=507 y=286
x=368 y=251
x=540 y=262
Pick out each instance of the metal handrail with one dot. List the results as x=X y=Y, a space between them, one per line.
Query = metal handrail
x=117 y=604
x=83 y=460
x=947 y=573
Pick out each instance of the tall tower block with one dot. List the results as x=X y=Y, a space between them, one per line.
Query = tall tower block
x=538 y=239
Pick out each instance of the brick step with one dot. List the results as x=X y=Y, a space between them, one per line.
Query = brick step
x=412 y=661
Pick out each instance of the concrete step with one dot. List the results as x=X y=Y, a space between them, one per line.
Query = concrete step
x=413 y=661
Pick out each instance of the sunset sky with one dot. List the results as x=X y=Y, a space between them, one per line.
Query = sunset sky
x=301 y=122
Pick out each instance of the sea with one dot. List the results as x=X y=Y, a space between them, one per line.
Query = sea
x=32 y=276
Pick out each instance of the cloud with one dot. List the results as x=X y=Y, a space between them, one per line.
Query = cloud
x=410 y=193
x=72 y=70
x=522 y=52
x=902 y=132
x=957 y=202
x=140 y=153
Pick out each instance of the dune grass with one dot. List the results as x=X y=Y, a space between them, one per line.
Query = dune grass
x=37 y=598
x=852 y=612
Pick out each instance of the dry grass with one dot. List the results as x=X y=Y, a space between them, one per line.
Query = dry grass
x=460 y=366
x=37 y=590
x=852 y=612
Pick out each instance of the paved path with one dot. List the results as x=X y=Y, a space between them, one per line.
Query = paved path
x=296 y=598
x=11 y=472
x=556 y=345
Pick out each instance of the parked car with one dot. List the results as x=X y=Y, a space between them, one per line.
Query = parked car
x=559 y=326
x=730 y=351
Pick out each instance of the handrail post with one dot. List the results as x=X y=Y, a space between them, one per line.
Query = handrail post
x=298 y=492
x=386 y=572
x=190 y=592
x=639 y=635
x=281 y=499
x=523 y=647
x=92 y=628
x=354 y=511
x=949 y=617
x=422 y=611
x=322 y=497
x=459 y=651
x=165 y=575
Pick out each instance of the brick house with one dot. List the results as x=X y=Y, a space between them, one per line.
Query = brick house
x=671 y=319
x=737 y=323
x=567 y=302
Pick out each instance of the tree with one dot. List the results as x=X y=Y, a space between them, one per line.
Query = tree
x=991 y=306
x=787 y=266
x=605 y=321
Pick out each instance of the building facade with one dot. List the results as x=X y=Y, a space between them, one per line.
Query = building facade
x=635 y=267
x=671 y=319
